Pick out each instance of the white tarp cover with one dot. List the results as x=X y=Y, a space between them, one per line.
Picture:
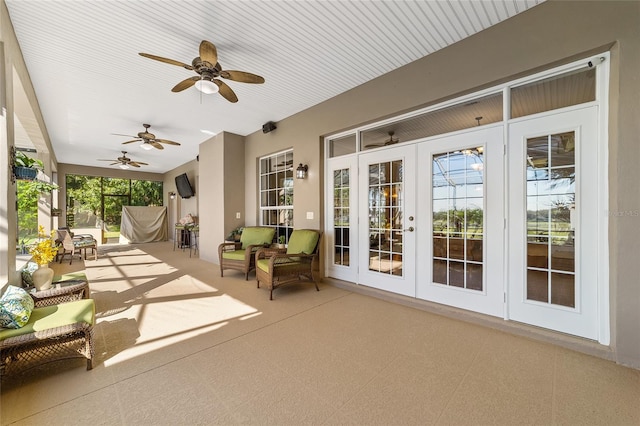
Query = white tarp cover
x=143 y=224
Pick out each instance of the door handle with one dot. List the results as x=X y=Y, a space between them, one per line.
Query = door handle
x=409 y=229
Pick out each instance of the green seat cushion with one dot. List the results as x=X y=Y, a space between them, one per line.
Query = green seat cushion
x=70 y=276
x=234 y=255
x=303 y=241
x=283 y=263
x=55 y=316
x=256 y=236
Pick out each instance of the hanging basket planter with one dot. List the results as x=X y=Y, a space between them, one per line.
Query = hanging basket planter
x=25 y=173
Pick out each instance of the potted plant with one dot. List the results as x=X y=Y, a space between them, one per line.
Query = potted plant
x=235 y=234
x=281 y=241
x=26 y=167
x=43 y=252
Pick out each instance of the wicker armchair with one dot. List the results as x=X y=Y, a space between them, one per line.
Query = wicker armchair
x=240 y=255
x=277 y=267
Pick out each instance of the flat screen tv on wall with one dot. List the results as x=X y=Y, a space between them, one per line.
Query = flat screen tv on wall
x=184 y=186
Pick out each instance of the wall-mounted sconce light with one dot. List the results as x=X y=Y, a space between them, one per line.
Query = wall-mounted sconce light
x=301 y=171
x=172 y=195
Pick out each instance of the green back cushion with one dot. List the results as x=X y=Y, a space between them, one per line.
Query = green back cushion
x=55 y=316
x=256 y=236
x=15 y=307
x=302 y=241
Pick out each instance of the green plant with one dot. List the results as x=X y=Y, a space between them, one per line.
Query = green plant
x=236 y=232
x=44 y=251
x=36 y=187
x=23 y=160
x=282 y=239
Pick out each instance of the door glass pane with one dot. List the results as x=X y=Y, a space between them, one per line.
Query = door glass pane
x=551 y=198
x=458 y=218
x=385 y=217
x=341 y=216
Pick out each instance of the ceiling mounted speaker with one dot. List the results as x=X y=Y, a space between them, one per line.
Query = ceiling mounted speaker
x=268 y=127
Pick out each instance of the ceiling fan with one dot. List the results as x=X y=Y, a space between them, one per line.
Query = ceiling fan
x=148 y=140
x=208 y=69
x=390 y=141
x=124 y=162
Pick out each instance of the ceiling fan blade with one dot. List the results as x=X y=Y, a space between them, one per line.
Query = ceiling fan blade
x=155 y=144
x=185 y=84
x=208 y=52
x=167 y=142
x=226 y=91
x=135 y=140
x=133 y=163
x=241 y=76
x=120 y=134
x=165 y=60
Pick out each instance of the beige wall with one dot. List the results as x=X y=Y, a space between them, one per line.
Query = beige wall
x=223 y=156
x=552 y=33
x=234 y=182
x=180 y=207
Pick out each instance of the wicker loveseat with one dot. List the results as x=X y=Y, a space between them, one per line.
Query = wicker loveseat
x=240 y=255
x=276 y=267
x=53 y=332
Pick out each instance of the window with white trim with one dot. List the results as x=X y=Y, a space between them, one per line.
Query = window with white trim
x=276 y=193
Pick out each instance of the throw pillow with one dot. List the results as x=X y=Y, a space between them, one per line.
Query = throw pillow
x=27 y=272
x=15 y=307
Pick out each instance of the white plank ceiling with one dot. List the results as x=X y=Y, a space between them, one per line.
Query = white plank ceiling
x=83 y=60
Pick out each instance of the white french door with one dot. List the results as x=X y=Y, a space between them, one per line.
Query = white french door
x=387 y=219
x=554 y=222
x=342 y=218
x=461 y=237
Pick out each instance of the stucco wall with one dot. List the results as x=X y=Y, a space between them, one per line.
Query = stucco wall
x=552 y=33
x=179 y=207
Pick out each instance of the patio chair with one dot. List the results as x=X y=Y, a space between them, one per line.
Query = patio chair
x=240 y=255
x=277 y=267
x=67 y=246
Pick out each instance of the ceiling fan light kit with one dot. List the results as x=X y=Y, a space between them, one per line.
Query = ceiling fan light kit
x=207 y=87
x=124 y=162
x=209 y=71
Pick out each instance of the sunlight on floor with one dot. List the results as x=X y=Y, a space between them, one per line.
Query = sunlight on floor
x=152 y=304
